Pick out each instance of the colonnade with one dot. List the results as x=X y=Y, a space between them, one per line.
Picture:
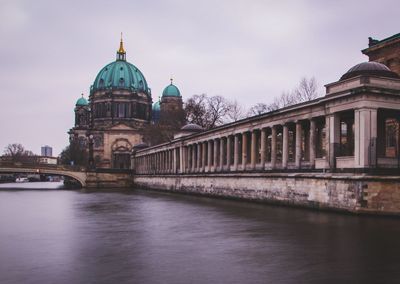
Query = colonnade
x=282 y=146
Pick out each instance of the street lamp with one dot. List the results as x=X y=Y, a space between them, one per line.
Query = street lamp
x=91 y=159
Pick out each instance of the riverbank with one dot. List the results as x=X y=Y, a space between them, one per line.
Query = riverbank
x=33 y=185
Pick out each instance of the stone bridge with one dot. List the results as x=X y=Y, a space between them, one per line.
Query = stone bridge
x=90 y=179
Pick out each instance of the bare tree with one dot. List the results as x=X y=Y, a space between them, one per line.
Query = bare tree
x=258 y=109
x=217 y=111
x=286 y=99
x=236 y=111
x=15 y=150
x=196 y=109
x=17 y=153
x=307 y=90
x=208 y=112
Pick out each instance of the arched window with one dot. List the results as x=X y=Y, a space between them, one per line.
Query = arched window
x=101 y=83
x=121 y=110
x=121 y=82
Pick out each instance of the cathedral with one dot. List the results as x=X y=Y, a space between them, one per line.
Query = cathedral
x=120 y=106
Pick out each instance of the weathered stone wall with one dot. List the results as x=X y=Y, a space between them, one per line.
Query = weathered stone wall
x=357 y=194
x=108 y=180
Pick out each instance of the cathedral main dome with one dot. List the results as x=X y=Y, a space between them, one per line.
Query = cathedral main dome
x=120 y=74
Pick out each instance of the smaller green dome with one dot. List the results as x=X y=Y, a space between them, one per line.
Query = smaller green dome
x=156 y=112
x=156 y=106
x=82 y=102
x=171 y=91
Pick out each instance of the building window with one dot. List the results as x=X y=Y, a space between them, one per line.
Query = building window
x=121 y=110
x=391 y=137
x=121 y=82
x=141 y=111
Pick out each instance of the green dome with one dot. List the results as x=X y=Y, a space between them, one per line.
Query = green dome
x=171 y=91
x=156 y=106
x=120 y=75
x=82 y=102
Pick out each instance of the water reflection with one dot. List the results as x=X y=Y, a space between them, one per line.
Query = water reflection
x=150 y=237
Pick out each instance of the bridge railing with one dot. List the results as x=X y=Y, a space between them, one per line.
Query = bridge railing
x=34 y=163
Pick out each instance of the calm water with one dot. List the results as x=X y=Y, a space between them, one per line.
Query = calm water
x=59 y=236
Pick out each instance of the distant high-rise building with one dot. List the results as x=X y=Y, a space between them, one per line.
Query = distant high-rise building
x=47 y=151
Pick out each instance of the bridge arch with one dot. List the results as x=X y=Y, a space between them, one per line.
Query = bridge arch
x=79 y=176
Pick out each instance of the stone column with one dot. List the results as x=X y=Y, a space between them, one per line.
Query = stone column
x=228 y=153
x=198 y=167
x=263 y=147
x=188 y=158
x=365 y=136
x=244 y=150
x=171 y=163
x=194 y=158
x=215 y=158
x=333 y=128
x=209 y=158
x=203 y=156
x=312 y=143
x=273 y=147
x=253 y=154
x=174 y=153
x=159 y=162
x=162 y=154
x=164 y=161
x=155 y=167
x=181 y=158
x=221 y=153
x=285 y=146
x=298 y=145
x=236 y=153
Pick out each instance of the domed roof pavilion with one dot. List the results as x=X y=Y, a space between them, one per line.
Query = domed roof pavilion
x=369 y=68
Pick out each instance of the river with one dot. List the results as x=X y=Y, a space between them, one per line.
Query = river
x=137 y=236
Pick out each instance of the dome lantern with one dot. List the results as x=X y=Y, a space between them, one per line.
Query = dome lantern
x=121 y=54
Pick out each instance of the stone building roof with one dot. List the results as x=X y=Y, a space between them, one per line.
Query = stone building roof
x=369 y=68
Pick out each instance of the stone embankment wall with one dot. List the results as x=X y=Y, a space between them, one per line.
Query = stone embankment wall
x=108 y=180
x=352 y=193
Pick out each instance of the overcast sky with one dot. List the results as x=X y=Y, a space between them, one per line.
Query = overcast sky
x=249 y=51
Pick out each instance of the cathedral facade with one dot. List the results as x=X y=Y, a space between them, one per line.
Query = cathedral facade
x=112 y=121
